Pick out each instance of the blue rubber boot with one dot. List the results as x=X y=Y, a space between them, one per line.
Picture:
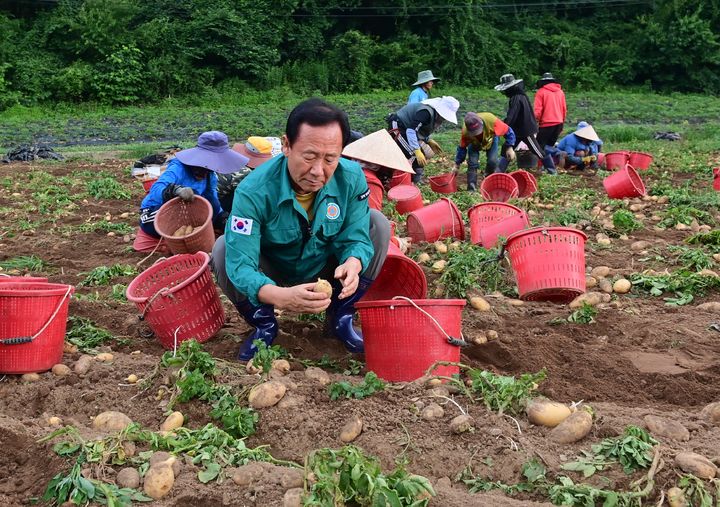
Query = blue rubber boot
x=339 y=316
x=266 y=327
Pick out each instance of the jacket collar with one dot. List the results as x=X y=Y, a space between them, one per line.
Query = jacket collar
x=287 y=192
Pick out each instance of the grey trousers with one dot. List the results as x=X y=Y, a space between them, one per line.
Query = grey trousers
x=379 y=235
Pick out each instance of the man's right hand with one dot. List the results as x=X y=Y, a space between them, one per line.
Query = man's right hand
x=185 y=193
x=457 y=168
x=298 y=298
x=420 y=158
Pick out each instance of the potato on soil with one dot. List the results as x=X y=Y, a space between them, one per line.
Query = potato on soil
x=61 y=370
x=480 y=304
x=462 y=424
x=323 y=286
x=439 y=266
x=162 y=458
x=711 y=412
x=423 y=258
x=158 y=481
x=128 y=478
x=574 y=428
x=104 y=357
x=281 y=365
x=351 y=430
x=544 y=412
x=676 y=497
x=111 y=421
x=173 y=422
x=266 y=394
x=696 y=464
x=83 y=365
x=30 y=377
x=622 y=286
x=440 y=247
x=591 y=298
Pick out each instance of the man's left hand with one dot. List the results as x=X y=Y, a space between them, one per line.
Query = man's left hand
x=348 y=273
x=434 y=145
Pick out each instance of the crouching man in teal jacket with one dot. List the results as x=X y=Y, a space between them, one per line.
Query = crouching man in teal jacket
x=299 y=217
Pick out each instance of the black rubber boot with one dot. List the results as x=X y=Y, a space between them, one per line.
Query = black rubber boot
x=339 y=316
x=266 y=327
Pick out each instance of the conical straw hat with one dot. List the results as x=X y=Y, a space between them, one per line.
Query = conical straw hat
x=587 y=133
x=379 y=148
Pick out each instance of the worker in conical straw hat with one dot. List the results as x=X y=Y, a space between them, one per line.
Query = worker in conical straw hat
x=579 y=149
x=413 y=124
x=380 y=159
x=424 y=83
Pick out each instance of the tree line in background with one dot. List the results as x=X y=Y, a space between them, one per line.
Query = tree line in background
x=135 y=51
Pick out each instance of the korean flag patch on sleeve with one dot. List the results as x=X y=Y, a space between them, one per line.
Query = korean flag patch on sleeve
x=241 y=225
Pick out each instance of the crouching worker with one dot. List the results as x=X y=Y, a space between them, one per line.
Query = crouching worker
x=303 y=216
x=193 y=172
x=579 y=150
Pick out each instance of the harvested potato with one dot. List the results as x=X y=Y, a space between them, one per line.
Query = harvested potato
x=158 y=481
x=423 y=258
x=696 y=464
x=440 y=247
x=455 y=245
x=111 y=421
x=711 y=412
x=251 y=368
x=179 y=232
x=710 y=306
x=317 y=374
x=432 y=411
x=132 y=378
x=173 y=422
x=104 y=357
x=492 y=334
x=544 y=412
x=480 y=303
x=30 y=377
x=574 y=428
x=605 y=285
x=323 y=286
x=591 y=298
x=480 y=339
x=61 y=370
x=352 y=429
x=54 y=421
x=160 y=458
x=666 y=428
x=622 y=286
x=83 y=365
x=462 y=424
x=439 y=266
x=676 y=497
x=128 y=478
x=600 y=271
x=281 y=365
x=266 y=394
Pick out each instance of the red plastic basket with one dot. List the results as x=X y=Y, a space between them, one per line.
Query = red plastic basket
x=499 y=187
x=177 y=213
x=624 y=183
x=439 y=220
x=399 y=276
x=148 y=183
x=401 y=178
x=402 y=341
x=716 y=178
x=616 y=160
x=407 y=198
x=509 y=225
x=25 y=279
x=375 y=201
x=177 y=295
x=444 y=183
x=488 y=213
x=526 y=182
x=549 y=263
x=32 y=327
x=640 y=160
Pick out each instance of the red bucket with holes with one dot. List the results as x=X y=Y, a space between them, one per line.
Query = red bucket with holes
x=375 y=201
x=549 y=263
x=33 y=324
x=486 y=214
x=178 y=299
x=439 y=220
x=147 y=184
x=499 y=187
x=399 y=276
x=400 y=178
x=407 y=198
x=716 y=178
x=624 y=183
x=26 y=279
x=444 y=183
x=177 y=213
x=616 y=160
x=490 y=234
x=403 y=339
x=526 y=182
x=640 y=160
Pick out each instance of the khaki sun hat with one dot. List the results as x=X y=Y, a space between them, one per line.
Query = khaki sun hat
x=507 y=81
x=588 y=133
x=446 y=107
x=424 y=76
x=379 y=148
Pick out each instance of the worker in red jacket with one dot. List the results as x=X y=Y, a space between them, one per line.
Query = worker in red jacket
x=550 y=110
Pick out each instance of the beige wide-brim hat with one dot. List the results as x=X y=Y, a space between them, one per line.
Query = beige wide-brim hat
x=379 y=148
x=587 y=133
x=446 y=107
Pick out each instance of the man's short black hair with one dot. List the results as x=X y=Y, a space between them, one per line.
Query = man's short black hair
x=317 y=113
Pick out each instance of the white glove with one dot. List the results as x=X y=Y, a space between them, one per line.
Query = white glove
x=510 y=154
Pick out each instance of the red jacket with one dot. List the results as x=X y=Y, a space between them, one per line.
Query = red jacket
x=550 y=107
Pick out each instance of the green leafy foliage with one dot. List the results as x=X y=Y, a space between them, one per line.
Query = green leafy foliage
x=357 y=479
x=584 y=315
x=471 y=267
x=685 y=214
x=103 y=275
x=503 y=393
x=625 y=222
x=370 y=385
x=27 y=263
x=533 y=472
x=265 y=355
x=106 y=188
x=84 y=334
x=692 y=259
x=683 y=283
x=705 y=238
x=354 y=367
x=567 y=492
x=696 y=493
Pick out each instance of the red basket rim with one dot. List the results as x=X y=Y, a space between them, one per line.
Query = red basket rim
x=442 y=180
x=458 y=215
x=494 y=203
x=640 y=153
x=620 y=152
x=533 y=230
x=635 y=179
x=156 y=267
x=199 y=229
x=34 y=289
x=402 y=302
x=406 y=193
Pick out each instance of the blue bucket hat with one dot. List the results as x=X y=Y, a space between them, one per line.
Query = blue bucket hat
x=213 y=152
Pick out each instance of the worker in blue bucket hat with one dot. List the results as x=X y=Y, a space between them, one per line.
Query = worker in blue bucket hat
x=301 y=216
x=193 y=172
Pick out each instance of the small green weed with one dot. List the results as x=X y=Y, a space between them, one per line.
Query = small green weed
x=84 y=334
x=584 y=315
x=106 y=188
x=695 y=492
x=684 y=214
x=503 y=393
x=683 y=283
x=533 y=471
x=106 y=226
x=472 y=267
x=370 y=385
x=711 y=238
x=265 y=355
x=625 y=222
x=567 y=216
x=27 y=263
x=692 y=259
x=103 y=275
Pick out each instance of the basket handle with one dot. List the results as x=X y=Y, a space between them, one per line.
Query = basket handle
x=28 y=339
x=458 y=342
x=161 y=292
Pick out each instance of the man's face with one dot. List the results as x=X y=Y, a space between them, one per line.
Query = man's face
x=313 y=158
x=429 y=85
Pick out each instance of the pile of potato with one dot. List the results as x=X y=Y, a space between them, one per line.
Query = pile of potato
x=185 y=230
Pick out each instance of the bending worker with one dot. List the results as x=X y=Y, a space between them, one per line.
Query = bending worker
x=303 y=216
